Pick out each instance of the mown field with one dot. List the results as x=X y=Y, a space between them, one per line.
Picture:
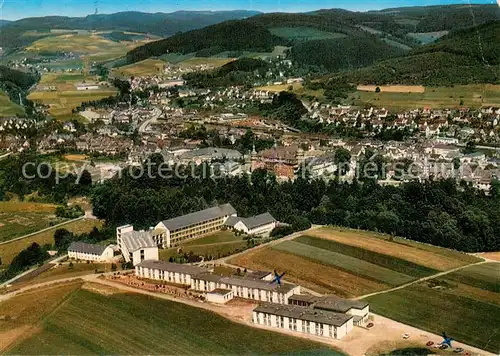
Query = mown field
x=216 y=245
x=9 y=250
x=135 y=324
x=467 y=310
x=304 y=33
x=66 y=97
x=433 y=97
x=9 y=108
x=142 y=68
x=21 y=218
x=352 y=263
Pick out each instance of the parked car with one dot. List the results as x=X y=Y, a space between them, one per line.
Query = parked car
x=406 y=336
x=458 y=350
x=370 y=325
x=429 y=343
x=443 y=347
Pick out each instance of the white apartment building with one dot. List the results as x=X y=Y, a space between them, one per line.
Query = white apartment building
x=136 y=246
x=170 y=233
x=303 y=319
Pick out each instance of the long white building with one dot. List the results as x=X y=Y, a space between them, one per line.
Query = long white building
x=256 y=286
x=170 y=233
x=303 y=319
x=90 y=252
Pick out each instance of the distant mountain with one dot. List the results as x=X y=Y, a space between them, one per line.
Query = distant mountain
x=462 y=57
x=335 y=39
x=4 y=22
x=160 y=24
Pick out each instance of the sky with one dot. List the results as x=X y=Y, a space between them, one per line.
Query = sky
x=16 y=9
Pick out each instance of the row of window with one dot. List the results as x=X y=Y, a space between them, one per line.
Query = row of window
x=305 y=326
x=239 y=291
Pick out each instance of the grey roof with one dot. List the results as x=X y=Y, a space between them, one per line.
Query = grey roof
x=330 y=302
x=171 y=267
x=304 y=313
x=199 y=216
x=220 y=291
x=246 y=282
x=86 y=248
x=135 y=240
x=252 y=222
x=258 y=274
x=338 y=304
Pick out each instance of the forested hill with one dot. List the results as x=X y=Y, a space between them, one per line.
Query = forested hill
x=333 y=39
x=161 y=24
x=14 y=82
x=463 y=57
x=226 y=36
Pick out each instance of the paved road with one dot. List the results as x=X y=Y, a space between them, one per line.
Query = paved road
x=43 y=230
x=421 y=280
x=145 y=124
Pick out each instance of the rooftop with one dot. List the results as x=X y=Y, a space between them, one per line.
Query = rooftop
x=252 y=222
x=246 y=282
x=135 y=240
x=304 y=313
x=86 y=248
x=338 y=304
x=171 y=267
x=220 y=291
x=199 y=216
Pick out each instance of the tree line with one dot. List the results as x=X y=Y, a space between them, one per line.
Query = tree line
x=437 y=212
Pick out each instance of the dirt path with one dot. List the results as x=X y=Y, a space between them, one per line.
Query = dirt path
x=43 y=230
x=420 y=280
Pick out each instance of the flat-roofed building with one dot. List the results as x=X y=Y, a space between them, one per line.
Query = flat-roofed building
x=303 y=319
x=90 y=252
x=170 y=272
x=247 y=288
x=359 y=309
x=136 y=246
x=220 y=296
x=170 y=233
x=261 y=224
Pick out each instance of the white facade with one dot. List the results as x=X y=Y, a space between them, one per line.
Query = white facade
x=259 y=230
x=136 y=246
x=220 y=296
x=160 y=274
x=106 y=256
x=303 y=326
x=260 y=291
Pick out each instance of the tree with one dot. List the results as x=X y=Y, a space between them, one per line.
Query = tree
x=62 y=238
x=70 y=266
x=377 y=90
x=113 y=267
x=342 y=160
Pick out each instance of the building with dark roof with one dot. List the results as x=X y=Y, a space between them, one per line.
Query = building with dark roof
x=172 y=232
x=303 y=319
x=359 y=309
x=90 y=252
x=261 y=224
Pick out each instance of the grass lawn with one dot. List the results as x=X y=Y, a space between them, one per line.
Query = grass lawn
x=434 y=97
x=215 y=245
x=79 y=269
x=9 y=108
x=485 y=276
x=136 y=324
x=311 y=274
x=9 y=250
x=218 y=237
x=418 y=253
x=20 y=218
x=463 y=317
